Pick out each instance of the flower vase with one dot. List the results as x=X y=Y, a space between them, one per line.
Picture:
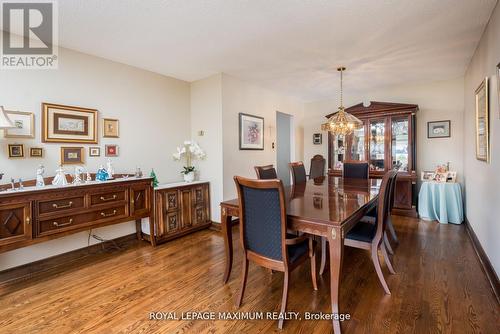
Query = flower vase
x=189 y=177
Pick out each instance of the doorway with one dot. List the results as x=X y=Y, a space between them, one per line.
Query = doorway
x=284 y=145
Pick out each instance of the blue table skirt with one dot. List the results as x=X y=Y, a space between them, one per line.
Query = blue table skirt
x=441 y=201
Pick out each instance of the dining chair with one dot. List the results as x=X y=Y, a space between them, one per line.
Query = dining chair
x=263 y=236
x=267 y=172
x=355 y=170
x=298 y=172
x=317 y=168
x=365 y=235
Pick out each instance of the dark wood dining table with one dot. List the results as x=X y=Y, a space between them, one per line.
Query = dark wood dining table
x=327 y=207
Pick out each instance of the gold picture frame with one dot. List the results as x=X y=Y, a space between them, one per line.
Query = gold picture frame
x=68 y=124
x=72 y=155
x=110 y=128
x=482 y=122
x=36 y=152
x=16 y=151
x=24 y=123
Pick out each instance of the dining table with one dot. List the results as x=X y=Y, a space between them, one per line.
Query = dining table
x=327 y=207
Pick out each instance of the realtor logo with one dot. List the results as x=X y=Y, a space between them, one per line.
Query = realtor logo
x=29 y=32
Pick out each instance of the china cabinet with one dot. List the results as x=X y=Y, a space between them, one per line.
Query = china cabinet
x=386 y=139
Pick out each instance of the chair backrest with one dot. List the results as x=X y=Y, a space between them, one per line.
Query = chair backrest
x=384 y=202
x=317 y=168
x=356 y=170
x=393 y=191
x=298 y=172
x=267 y=172
x=262 y=218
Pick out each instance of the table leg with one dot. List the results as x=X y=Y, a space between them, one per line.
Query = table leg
x=336 y=247
x=228 y=242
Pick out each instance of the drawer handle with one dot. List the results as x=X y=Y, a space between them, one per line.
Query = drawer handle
x=69 y=205
x=106 y=199
x=109 y=214
x=56 y=224
x=28 y=220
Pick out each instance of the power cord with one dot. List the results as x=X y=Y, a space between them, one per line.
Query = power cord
x=113 y=246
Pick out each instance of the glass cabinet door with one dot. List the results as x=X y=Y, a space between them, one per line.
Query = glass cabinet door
x=377 y=145
x=357 y=145
x=400 y=143
x=338 y=152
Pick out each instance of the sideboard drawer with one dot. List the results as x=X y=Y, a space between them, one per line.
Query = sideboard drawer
x=108 y=197
x=61 y=204
x=111 y=213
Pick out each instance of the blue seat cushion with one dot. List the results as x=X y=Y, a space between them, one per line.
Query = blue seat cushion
x=295 y=252
x=362 y=231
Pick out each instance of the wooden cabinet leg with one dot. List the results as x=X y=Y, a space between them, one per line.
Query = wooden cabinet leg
x=336 y=247
x=228 y=242
x=138 y=229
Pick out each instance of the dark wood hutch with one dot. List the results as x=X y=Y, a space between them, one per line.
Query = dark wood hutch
x=388 y=137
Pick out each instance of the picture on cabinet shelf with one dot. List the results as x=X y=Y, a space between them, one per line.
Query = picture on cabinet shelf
x=438 y=129
x=36 y=152
x=16 y=151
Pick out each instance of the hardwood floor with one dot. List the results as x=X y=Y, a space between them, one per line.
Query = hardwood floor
x=439 y=288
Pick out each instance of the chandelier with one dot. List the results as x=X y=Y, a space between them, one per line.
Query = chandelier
x=341 y=123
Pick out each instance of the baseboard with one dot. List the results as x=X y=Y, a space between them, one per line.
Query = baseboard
x=217 y=226
x=484 y=260
x=61 y=262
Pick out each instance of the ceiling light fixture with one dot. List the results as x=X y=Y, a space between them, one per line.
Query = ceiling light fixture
x=341 y=123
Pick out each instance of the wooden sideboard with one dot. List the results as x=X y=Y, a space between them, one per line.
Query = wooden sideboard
x=180 y=208
x=34 y=215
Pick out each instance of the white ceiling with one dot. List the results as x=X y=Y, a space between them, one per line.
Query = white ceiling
x=291 y=46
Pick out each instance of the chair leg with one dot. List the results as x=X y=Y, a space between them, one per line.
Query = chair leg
x=243 y=281
x=323 y=256
x=392 y=230
x=388 y=244
x=378 y=269
x=312 y=257
x=284 y=300
x=387 y=259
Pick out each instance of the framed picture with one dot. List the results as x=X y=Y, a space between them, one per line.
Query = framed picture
x=251 y=132
x=16 y=151
x=317 y=139
x=66 y=124
x=439 y=129
x=498 y=87
x=482 y=122
x=452 y=177
x=24 y=123
x=36 y=152
x=71 y=155
x=94 y=151
x=110 y=128
x=111 y=150
x=427 y=175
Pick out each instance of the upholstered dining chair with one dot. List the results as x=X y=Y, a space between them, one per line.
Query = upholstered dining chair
x=298 y=172
x=266 y=172
x=317 y=168
x=263 y=234
x=369 y=236
x=355 y=170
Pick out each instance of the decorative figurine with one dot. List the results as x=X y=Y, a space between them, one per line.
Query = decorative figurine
x=77 y=178
x=102 y=174
x=89 y=178
x=13 y=183
x=21 y=186
x=39 y=176
x=60 y=178
x=110 y=169
x=138 y=172
x=155 y=179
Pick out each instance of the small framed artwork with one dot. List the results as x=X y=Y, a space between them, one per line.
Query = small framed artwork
x=94 y=151
x=71 y=155
x=24 y=123
x=498 y=87
x=16 y=151
x=36 y=152
x=66 y=124
x=482 y=122
x=111 y=150
x=427 y=176
x=110 y=128
x=439 y=129
x=251 y=132
x=317 y=139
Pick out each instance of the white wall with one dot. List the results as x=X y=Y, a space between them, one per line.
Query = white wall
x=240 y=96
x=482 y=179
x=206 y=116
x=437 y=101
x=154 y=114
